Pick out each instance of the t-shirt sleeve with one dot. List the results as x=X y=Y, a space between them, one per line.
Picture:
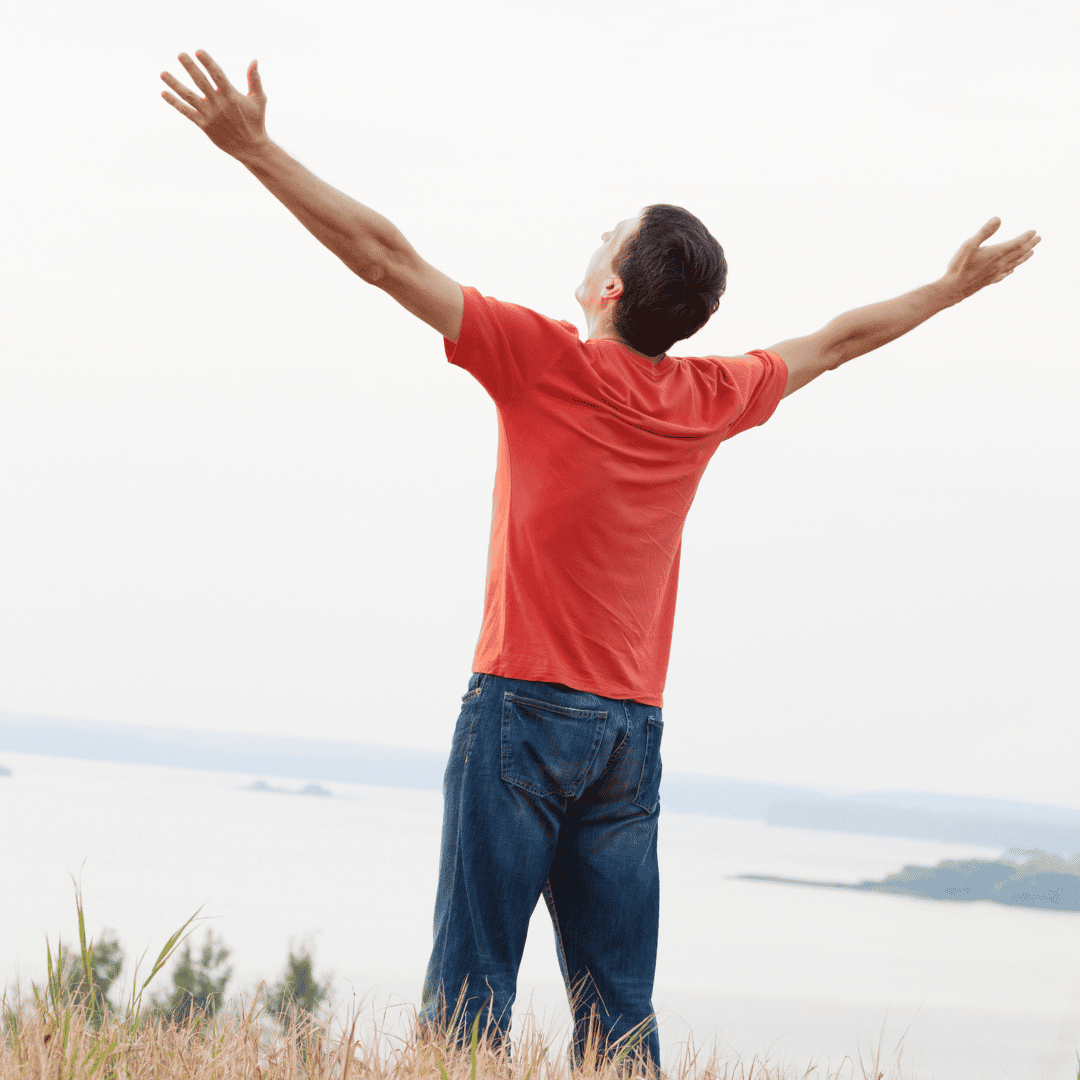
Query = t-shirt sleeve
x=505 y=347
x=760 y=378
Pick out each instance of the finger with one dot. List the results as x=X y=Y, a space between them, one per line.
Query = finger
x=1022 y=256
x=1008 y=267
x=191 y=114
x=196 y=73
x=986 y=231
x=221 y=80
x=188 y=95
x=1027 y=248
x=255 y=87
x=1019 y=241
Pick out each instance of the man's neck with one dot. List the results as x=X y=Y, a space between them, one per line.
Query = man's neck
x=654 y=360
x=601 y=327
x=608 y=333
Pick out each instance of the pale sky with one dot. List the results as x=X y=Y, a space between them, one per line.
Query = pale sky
x=242 y=490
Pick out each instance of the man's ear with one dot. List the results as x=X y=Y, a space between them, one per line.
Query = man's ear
x=612 y=288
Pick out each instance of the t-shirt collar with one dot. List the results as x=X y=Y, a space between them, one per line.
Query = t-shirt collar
x=661 y=365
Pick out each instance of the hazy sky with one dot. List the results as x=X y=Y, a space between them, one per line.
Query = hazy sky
x=242 y=490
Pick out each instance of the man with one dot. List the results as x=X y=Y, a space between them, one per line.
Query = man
x=552 y=785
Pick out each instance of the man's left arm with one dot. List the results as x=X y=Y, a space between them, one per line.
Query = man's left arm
x=849 y=335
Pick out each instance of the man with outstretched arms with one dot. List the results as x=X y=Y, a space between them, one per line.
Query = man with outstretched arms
x=552 y=784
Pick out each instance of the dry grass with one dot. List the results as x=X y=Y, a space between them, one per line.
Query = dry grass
x=237 y=1045
x=58 y=1036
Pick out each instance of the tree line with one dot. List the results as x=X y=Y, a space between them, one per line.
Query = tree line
x=90 y=976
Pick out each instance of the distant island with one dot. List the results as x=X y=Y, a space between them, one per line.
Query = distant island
x=4 y=772
x=1027 y=878
x=307 y=789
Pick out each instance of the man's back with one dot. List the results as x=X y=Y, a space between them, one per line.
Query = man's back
x=600 y=454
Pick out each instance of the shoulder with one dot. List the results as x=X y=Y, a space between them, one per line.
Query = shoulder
x=738 y=391
x=507 y=346
x=744 y=371
x=487 y=313
x=754 y=360
x=753 y=384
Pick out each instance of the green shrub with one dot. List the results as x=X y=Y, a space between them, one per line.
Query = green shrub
x=198 y=981
x=297 y=992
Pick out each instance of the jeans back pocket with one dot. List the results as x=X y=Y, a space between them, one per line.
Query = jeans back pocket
x=547 y=748
x=648 y=792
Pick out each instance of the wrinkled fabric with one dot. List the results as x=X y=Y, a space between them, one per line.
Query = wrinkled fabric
x=599 y=456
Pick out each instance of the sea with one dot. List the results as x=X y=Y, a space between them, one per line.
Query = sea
x=788 y=974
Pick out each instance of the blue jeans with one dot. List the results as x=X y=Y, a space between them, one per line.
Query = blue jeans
x=555 y=792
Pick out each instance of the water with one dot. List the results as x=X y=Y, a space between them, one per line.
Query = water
x=799 y=974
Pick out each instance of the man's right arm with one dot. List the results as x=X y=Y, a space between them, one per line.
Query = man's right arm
x=368 y=244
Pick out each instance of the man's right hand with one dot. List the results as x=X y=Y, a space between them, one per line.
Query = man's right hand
x=861 y=331
x=232 y=121
x=974 y=267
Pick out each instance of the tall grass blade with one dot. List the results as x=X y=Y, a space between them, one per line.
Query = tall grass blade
x=54 y=991
x=528 y=1071
x=99 y=1054
x=472 y=1047
x=86 y=952
x=349 y=1050
x=170 y=946
x=64 y=1040
x=95 y=999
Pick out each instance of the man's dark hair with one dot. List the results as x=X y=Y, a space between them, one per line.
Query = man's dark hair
x=673 y=273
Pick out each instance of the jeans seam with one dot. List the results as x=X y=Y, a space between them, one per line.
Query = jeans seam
x=650 y=723
x=558 y=932
x=564 y=710
x=618 y=751
x=440 y=985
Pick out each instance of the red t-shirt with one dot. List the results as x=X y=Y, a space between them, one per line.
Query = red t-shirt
x=600 y=454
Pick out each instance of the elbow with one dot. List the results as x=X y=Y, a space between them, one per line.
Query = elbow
x=837 y=353
x=378 y=259
x=373 y=273
x=366 y=260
